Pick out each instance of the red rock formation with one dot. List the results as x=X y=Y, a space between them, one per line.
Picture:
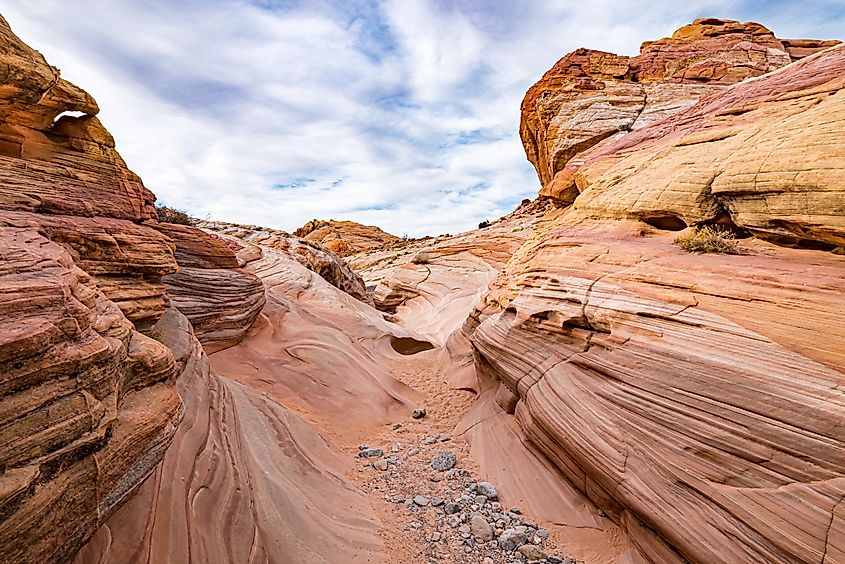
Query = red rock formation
x=694 y=398
x=88 y=404
x=220 y=299
x=591 y=98
x=345 y=237
x=245 y=479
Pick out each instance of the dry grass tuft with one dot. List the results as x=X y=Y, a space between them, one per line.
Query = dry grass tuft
x=708 y=240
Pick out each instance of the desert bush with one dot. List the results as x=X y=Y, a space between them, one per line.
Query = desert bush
x=708 y=239
x=166 y=214
x=483 y=224
x=420 y=259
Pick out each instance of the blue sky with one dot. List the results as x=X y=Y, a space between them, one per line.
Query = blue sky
x=399 y=113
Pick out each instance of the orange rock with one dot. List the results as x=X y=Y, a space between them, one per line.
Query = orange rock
x=344 y=238
x=590 y=99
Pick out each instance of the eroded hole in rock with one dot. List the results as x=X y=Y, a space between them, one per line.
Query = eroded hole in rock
x=665 y=222
x=409 y=345
x=724 y=222
x=67 y=114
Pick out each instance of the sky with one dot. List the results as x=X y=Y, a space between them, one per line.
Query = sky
x=397 y=113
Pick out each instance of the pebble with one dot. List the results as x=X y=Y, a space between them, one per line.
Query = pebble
x=363 y=447
x=370 y=453
x=480 y=528
x=438 y=501
x=420 y=500
x=531 y=552
x=380 y=464
x=418 y=413
x=451 y=508
x=414 y=451
x=488 y=489
x=512 y=539
x=446 y=460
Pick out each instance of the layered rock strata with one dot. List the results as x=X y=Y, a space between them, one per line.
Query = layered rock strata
x=345 y=237
x=88 y=403
x=220 y=299
x=695 y=399
x=590 y=98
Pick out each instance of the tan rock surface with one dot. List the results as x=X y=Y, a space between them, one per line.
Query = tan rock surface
x=590 y=99
x=245 y=480
x=694 y=398
x=345 y=237
x=766 y=152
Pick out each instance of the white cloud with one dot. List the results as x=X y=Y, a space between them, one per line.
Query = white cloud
x=402 y=113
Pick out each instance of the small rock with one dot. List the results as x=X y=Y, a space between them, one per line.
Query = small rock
x=363 y=447
x=554 y=559
x=380 y=464
x=480 y=499
x=418 y=413
x=515 y=510
x=437 y=501
x=488 y=489
x=531 y=552
x=414 y=451
x=446 y=460
x=397 y=426
x=542 y=533
x=451 y=508
x=511 y=539
x=445 y=439
x=435 y=536
x=480 y=528
x=370 y=453
x=488 y=560
x=420 y=500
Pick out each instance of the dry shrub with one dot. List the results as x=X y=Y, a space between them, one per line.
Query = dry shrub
x=708 y=239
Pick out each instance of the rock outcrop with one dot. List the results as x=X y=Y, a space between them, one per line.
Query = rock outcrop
x=695 y=399
x=247 y=242
x=590 y=99
x=88 y=403
x=345 y=237
x=220 y=299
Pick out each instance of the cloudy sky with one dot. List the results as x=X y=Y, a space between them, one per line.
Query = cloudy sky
x=400 y=113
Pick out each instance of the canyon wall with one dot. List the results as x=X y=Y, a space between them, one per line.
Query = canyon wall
x=89 y=402
x=696 y=399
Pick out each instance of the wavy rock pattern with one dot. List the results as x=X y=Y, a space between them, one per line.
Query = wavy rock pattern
x=88 y=404
x=766 y=153
x=590 y=99
x=86 y=408
x=220 y=299
x=318 y=351
x=245 y=481
x=248 y=241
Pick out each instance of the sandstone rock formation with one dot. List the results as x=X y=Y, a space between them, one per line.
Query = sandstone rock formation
x=88 y=403
x=345 y=237
x=220 y=299
x=245 y=480
x=694 y=398
x=590 y=99
x=248 y=241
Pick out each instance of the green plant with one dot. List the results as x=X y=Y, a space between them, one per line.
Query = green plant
x=483 y=224
x=707 y=239
x=420 y=259
x=166 y=214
